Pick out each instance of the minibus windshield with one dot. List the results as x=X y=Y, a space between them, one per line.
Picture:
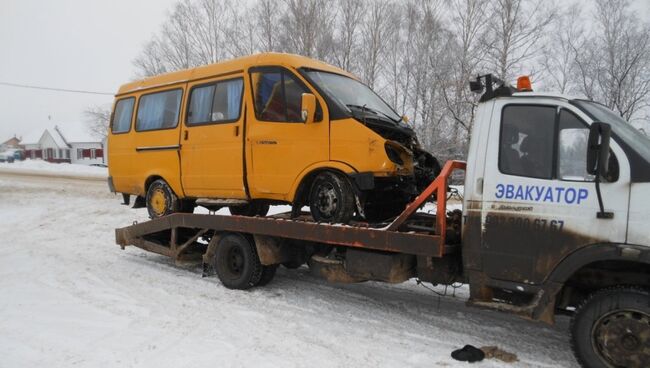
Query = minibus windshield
x=352 y=94
x=634 y=138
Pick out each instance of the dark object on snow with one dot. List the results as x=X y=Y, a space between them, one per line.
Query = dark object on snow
x=468 y=353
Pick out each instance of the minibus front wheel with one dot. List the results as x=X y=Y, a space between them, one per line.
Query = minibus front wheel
x=161 y=200
x=331 y=198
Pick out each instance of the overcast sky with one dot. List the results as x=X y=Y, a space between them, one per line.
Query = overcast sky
x=77 y=44
x=74 y=44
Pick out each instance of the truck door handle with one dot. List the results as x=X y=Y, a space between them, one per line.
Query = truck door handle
x=479 y=186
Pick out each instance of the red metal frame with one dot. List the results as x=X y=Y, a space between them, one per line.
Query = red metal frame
x=438 y=186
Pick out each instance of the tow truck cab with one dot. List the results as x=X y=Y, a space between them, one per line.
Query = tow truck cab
x=535 y=237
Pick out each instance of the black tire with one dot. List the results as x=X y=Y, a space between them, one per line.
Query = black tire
x=612 y=329
x=331 y=198
x=268 y=273
x=237 y=263
x=161 y=200
x=254 y=208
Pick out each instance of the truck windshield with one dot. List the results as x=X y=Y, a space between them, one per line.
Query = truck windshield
x=352 y=93
x=634 y=138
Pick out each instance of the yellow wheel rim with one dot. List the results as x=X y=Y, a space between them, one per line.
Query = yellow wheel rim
x=158 y=202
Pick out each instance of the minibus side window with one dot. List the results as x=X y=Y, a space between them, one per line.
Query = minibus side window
x=122 y=115
x=215 y=103
x=158 y=110
x=277 y=96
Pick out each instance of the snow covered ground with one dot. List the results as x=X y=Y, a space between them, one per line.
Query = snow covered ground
x=40 y=167
x=71 y=297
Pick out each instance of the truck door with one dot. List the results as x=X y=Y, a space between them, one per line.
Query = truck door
x=281 y=145
x=212 y=139
x=539 y=203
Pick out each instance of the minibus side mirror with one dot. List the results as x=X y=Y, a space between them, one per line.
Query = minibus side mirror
x=598 y=160
x=308 y=107
x=598 y=148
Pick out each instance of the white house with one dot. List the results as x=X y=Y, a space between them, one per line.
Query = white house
x=68 y=142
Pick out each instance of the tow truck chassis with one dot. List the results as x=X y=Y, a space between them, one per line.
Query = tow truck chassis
x=190 y=237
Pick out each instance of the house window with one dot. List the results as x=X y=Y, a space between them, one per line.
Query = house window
x=60 y=153
x=67 y=154
x=99 y=153
x=92 y=153
x=80 y=153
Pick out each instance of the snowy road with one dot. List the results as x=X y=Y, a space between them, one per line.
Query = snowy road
x=71 y=297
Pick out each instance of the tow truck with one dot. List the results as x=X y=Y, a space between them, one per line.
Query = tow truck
x=553 y=221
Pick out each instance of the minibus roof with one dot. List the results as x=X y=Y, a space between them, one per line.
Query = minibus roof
x=228 y=67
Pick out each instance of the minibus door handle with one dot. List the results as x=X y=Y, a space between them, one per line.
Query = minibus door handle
x=186 y=135
x=236 y=130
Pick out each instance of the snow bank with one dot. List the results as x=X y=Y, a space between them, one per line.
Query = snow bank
x=40 y=167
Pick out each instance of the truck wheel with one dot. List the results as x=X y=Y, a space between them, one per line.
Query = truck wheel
x=612 y=329
x=237 y=263
x=331 y=198
x=254 y=208
x=161 y=200
x=268 y=273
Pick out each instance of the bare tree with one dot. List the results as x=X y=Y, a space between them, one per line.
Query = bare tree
x=349 y=18
x=514 y=32
x=152 y=60
x=267 y=14
x=375 y=36
x=558 y=59
x=468 y=25
x=97 y=119
x=300 y=35
x=613 y=64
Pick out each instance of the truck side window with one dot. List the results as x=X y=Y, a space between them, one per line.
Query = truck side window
x=158 y=110
x=526 y=142
x=278 y=95
x=572 y=148
x=572 y=151
x=122 y=115
x=215 y=103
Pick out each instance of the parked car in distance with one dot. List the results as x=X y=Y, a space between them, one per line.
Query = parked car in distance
x=260 y=130
x=11 y=155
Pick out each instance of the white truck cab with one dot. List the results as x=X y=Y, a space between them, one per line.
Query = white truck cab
x=546 y=230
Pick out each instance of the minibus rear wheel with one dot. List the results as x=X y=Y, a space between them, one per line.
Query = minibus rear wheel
x=331 y=198
x=161 y=200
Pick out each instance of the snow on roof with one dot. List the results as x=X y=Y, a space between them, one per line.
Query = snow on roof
x=60 y=142
x=32 y=137
x=76 y=132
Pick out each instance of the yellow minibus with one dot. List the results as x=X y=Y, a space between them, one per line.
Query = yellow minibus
x=261 y=130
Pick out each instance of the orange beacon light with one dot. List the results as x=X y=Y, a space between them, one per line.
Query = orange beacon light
x=523 y=84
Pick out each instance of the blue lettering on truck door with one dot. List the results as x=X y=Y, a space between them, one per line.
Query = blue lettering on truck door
x=542 y=193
